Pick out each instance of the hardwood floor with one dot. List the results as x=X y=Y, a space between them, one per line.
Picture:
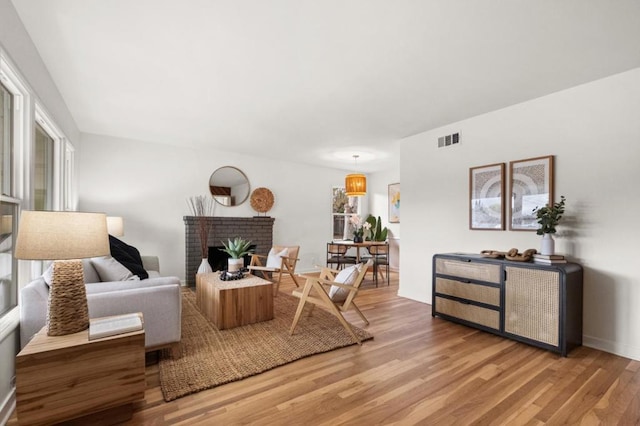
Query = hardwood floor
x=417 y=370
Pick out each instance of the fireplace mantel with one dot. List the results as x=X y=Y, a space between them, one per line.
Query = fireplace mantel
x=258 y=230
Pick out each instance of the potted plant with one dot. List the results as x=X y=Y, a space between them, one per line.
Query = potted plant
x=548 y=218
x=376 y=231
x=236 y=249
x=358 y=228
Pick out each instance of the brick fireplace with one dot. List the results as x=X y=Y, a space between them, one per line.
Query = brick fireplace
x=258 y=230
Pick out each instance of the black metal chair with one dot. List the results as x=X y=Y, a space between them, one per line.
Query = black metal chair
x=380 y=256
x=337 y=255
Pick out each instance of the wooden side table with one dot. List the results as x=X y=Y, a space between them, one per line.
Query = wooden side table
x=230 y=304
x=59 y=378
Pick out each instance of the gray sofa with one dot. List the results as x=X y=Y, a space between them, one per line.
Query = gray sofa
x=158 y=298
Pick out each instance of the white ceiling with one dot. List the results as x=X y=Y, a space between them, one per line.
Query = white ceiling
x=305 y=79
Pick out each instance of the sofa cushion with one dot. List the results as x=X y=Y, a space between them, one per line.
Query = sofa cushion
x=90 y=274
x=110 y=269
x=115 y=286
x=127 y=255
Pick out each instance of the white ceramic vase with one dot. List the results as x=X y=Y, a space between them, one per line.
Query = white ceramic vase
x=235 y=264
x=204 y=267
x=548 y=245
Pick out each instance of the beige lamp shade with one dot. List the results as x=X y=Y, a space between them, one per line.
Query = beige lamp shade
x=355 y=184
x=64 y=237
x=47 y=235
x=115 y=226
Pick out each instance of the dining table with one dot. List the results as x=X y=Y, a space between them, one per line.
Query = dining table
x=358 y=246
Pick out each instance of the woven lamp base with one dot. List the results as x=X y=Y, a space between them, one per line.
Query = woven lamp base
x=68 y=311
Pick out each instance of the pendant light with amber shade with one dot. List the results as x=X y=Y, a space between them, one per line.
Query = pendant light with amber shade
x=355 y=183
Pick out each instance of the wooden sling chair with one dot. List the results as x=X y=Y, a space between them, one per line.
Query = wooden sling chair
x=335 y=291
x=280 y=260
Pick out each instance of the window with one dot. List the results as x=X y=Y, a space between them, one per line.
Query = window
x=8 y=206
x=53 y=165
x=36 y=172
x=43 y=173
x=8 y=264
x=67 y=178
x=343 y=208
x=6 y=141
x=14 y=137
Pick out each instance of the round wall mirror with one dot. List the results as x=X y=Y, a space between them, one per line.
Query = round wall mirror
x=229 y=186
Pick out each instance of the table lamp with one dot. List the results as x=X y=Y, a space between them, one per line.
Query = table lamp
x=6 y=224
x=115 y=226
x=65 y=237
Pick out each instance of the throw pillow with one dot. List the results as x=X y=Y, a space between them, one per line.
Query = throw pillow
x=110 y=269
x=128 y=256
x=90 y=274
x=347 y=276
x=274 y=260
x=48 y=275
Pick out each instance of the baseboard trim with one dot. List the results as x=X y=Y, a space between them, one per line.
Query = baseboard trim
x=611 y=347
x=417 y=297
x=8 y=407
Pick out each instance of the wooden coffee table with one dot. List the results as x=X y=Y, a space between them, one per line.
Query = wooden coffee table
x=229 y=304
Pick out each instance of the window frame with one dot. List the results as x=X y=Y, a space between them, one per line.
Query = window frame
x=21 y=142
x=6 y=174
x=21 y=129
x=46 y=123
x=348 y=227
x=14 y=206
x=68 y=177
x=26 y=112
x=44 y=169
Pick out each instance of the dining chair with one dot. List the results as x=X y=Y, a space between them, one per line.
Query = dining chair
x=380 y=256
x=337 y=255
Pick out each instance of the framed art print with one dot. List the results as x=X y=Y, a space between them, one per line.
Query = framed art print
x=394 y=203
x=486 y=197
x=531 y=184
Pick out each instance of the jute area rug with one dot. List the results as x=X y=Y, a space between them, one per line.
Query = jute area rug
x=209 y=357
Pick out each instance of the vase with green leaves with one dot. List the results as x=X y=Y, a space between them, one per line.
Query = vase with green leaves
x=236 y=249
x=548 y=218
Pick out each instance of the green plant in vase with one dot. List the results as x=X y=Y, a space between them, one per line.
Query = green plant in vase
x=236 y=249
x=376 y=231
x=548 y=218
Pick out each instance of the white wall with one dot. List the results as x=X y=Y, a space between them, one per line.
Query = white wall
x=18 y=46
x=148 y=184
x=594 y=132
x=377 y=187
x=378 y=190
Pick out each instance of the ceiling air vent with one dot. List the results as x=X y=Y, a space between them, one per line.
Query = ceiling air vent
x=448 y=140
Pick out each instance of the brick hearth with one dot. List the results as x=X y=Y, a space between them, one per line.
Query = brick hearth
x=259 y=230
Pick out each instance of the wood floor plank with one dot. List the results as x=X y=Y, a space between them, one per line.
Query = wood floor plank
x=417 y=370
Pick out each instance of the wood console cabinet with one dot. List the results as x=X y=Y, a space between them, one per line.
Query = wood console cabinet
x=533 y=303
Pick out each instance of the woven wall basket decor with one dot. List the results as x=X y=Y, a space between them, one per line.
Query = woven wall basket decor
x=262 y=200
